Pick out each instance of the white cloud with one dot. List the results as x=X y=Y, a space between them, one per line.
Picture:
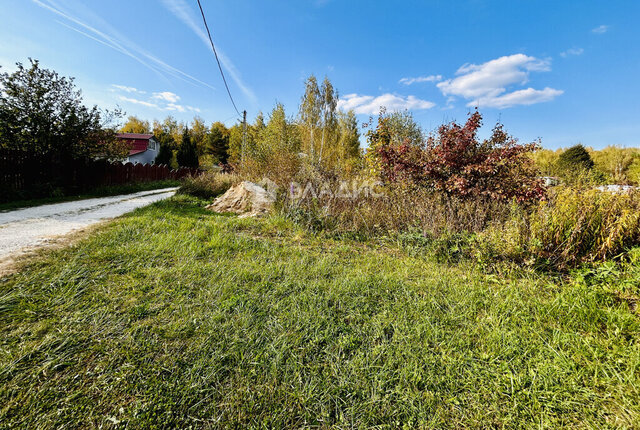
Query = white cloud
x=572 y=51
x=181 y=10
x=167 y=96
x=173 y=106
x=164 y=100
x=180 y=108
x=419 y=79
x=127 y=89
x=492 y=77
x=601 y=29
x=528 y=96
x=139 y=102
x=370 y=105
x=486 y=84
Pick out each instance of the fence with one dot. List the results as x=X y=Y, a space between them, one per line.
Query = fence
x=22 y=175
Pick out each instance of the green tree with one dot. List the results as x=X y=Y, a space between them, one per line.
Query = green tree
x=165 y=155
x=43 y=113
x=135 y=125
x=171 y=126
x=165 y=137
x=187 y=155
x=575 y=158
x=404 y=129
x=575 y=166
x=218 y=143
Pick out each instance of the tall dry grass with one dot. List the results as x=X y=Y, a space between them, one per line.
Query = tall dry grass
x=584 y=225
x=571 y=226
x=209 y=184
x=375 y=209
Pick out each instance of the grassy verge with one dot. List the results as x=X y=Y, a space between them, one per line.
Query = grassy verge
x=175 y=317
x=113 y=190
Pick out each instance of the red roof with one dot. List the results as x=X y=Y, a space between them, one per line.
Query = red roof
x=134 y=136
x=139 y=142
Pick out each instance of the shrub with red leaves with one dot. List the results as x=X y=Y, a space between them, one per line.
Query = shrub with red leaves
x=456 y=162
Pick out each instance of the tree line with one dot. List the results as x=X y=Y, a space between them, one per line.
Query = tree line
x=319 y=131
x=43 y=114
x=610 y=165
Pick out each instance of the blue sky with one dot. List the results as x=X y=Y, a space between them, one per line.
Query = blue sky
x=563 y=71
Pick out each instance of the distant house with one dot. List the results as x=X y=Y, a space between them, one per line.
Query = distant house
x=143 y=148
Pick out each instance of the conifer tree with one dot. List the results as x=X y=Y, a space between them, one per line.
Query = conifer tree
x=187 y=155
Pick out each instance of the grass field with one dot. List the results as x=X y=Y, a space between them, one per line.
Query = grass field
x=174 y=317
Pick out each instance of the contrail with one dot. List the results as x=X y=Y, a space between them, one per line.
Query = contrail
x=120 y=44
x=185 y=14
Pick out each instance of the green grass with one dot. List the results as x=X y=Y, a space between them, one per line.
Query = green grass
x=174 y=317
x=106 y=191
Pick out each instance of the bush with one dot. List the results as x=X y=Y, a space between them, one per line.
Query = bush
x=454 y=161
x=208 y=185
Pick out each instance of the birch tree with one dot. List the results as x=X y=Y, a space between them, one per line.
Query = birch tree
x=310 y=115
x=329 y=100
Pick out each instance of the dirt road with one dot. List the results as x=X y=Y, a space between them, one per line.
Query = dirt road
x=31 y=228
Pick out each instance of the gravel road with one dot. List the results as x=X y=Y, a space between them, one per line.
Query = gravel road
x=35 y=227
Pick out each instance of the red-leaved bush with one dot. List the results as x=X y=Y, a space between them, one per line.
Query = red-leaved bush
x=456 y=162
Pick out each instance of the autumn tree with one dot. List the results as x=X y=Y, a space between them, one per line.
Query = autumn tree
x=280 y=134
x=255 y=131
x=349 y=142
x=310 y=116
x=165 y=137
x=546 y=161
x=136 y=125
x=235 y=145
x=329 y=123
x=199 y=132
x=274 y=152
x=456 y=162
x=616 y=162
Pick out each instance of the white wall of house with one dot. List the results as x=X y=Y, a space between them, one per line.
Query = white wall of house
x=148 y=156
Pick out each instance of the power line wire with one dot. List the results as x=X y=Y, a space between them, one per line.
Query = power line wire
x=217 y=59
